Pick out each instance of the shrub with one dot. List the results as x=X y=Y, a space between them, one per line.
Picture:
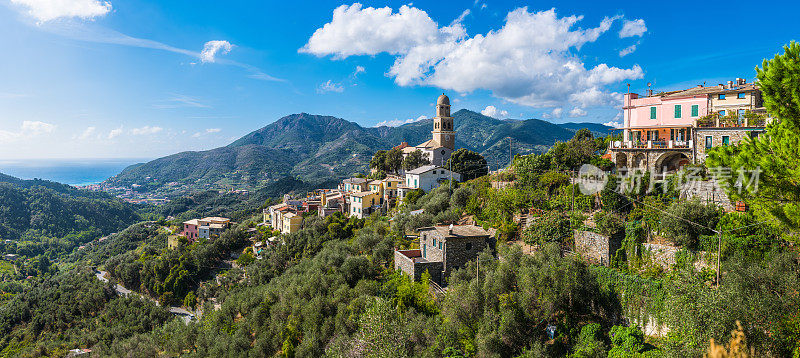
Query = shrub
x=686 y=221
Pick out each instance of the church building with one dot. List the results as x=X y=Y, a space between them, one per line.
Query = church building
x=439 y=148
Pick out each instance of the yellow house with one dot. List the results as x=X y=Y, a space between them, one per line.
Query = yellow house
x=291 y=223
x=390 y=185
x=362 y=203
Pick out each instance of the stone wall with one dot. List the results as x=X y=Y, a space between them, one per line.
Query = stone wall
x=665 y=256
x=707 y=191
x=411 y=263
x=457 y=255
x=596 y=248
x=735 y=135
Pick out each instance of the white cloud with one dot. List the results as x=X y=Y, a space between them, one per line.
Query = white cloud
x=613 y=124
x=146 y=130
x=115 y=133
x=213 y=130
x=28 y=129
x=627 y=51
x=397 y=122
x=577 y=112
x=631 y=28
x=47 y=10
x=359 y=70
x=330 y=86
x=179 y=101
x=212 y=48
x=88 y=132
x=532 y=60
x=555 y=113
x=492 y=111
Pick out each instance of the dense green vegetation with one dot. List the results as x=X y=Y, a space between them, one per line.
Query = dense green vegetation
x=331 y=288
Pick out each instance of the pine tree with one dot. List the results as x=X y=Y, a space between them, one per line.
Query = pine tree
x=765 y=171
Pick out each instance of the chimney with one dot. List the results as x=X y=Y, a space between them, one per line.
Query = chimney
x=730 y=84
x=721 y=86
x=450 y=230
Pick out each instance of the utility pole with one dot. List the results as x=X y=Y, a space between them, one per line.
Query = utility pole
x=450 y=184
x=572 y=214
x=719 y=251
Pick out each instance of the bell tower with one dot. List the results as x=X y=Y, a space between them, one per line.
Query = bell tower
x=443 y=132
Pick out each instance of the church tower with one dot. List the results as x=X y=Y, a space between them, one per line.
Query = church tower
x=443 y=132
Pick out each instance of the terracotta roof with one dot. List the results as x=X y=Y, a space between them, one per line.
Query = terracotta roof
x=700 y=90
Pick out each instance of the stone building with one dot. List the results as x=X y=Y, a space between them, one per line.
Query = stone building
x=668 y=130
x=442 y=250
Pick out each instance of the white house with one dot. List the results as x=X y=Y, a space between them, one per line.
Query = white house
x=428 y=177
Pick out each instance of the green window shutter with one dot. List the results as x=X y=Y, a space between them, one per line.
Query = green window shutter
x=677 y=111
x=652 y=112
x=695 y=110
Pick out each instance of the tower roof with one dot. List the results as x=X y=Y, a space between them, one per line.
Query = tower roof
x=443 y=99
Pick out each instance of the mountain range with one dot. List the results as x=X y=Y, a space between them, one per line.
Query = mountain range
x=317 y=147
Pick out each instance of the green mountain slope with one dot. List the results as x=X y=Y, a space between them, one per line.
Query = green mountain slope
x=316 y=148
x=42 y=208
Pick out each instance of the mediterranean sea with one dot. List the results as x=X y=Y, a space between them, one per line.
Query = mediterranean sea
x=74 y=172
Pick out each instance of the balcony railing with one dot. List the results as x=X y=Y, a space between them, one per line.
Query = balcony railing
x=653 y=144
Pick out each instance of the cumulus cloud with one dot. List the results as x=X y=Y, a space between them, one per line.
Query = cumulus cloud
x=398 y=122
x=631 y=28
x=213 y=130
x=213 y=48
x=146 y=130
x=48 y=10
x=330 y=86
x=28 y=129
x=627 y=51
x=532 y=60
x=577 y=112
x=494 y=112
x=555 y=113
x=613 y=124
x=359 y=70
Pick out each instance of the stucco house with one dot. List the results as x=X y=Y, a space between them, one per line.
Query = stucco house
x=428 y=177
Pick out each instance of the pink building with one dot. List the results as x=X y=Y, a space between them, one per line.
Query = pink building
x=668 y=130
x=190 y=229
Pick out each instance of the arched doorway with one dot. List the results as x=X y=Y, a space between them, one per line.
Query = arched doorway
x=622 y=160
x=640 y=161
x=671 y=162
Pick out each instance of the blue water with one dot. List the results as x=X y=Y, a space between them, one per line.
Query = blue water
x=68 y=171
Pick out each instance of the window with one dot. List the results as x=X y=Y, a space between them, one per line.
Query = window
x=695 y=110
x=652 y=112
x=424 y=250
x=677 y=111
x=440 y=245
x=741 y=113
x=722 y=112
x=740 y=95
x=726 y=140
x=721 y=96
x=469 y=246
x=708 y=142
x=434 y=242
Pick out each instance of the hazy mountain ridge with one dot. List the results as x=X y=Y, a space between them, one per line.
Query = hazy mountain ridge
x=319 y=147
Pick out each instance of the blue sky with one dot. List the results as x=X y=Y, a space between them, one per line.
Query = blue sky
x=94 y=78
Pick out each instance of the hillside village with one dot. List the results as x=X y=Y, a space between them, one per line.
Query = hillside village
x=429 y=232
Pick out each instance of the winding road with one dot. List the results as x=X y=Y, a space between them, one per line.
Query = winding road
x=184 y=314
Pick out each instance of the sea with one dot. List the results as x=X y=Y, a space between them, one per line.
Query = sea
x=76 y=172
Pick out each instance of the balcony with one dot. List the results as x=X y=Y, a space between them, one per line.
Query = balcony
x=755 y=118
x=653 y=144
